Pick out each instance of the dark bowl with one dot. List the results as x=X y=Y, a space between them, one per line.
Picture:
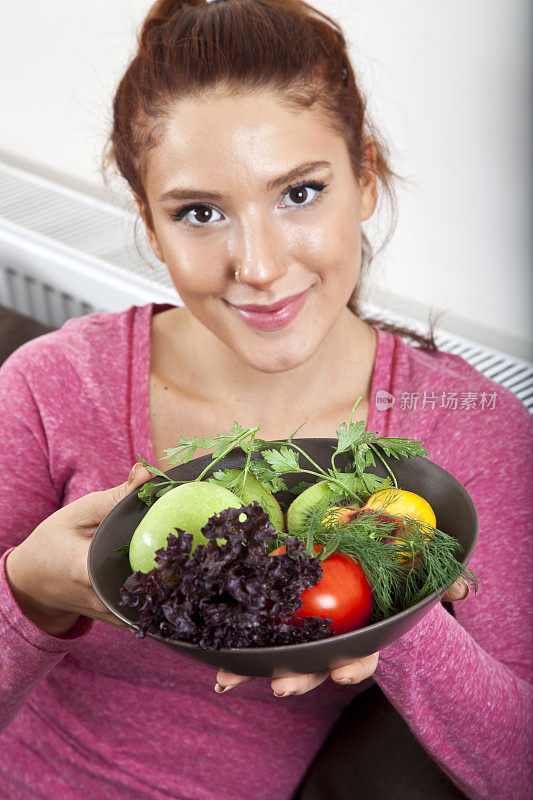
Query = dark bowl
x=455 y=512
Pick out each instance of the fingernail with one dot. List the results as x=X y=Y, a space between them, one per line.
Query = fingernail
x=221 y=689
x=343 y=680
x=132 y=472
x=283 y=694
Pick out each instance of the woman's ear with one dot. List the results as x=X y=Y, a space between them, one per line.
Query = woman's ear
x=368 y=181
x=154 y=244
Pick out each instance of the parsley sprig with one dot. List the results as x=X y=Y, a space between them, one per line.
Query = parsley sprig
x=353 y=439
x=274 y=460
x=184 y=452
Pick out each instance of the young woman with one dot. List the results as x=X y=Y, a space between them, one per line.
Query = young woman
x=242 y=134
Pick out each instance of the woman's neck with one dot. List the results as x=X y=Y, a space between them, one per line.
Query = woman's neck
x=185 y=354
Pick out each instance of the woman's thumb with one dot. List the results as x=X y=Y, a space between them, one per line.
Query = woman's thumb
x=138 y=475
x=90 y=510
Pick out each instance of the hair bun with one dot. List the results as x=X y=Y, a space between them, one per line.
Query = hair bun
x=161 y=12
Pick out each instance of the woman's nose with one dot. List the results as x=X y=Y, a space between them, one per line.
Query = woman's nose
x=260 y=255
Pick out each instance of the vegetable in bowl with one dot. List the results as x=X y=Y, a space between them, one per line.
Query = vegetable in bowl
x=358 y=550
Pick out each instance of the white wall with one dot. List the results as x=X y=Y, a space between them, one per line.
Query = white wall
x=449 y=83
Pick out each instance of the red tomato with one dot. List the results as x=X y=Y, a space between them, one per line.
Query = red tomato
x=343 y=593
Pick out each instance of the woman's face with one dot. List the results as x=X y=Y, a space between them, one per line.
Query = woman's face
x=241 y=183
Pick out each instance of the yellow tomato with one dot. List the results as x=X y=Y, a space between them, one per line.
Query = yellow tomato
x=401 y=503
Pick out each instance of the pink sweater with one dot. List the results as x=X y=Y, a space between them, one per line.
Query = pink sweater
x=106 y=715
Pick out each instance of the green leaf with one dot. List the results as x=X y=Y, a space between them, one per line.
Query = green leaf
x=276 y=485
x=360 y=458
x=331 y=545
x=291 y=437
x=400 y=447
x=310 y=538
x=225 y=442
x=262 y=470
x=373 y=483
x=225 y=446
x=236 y=429
x=124 y=549
x=184 y=450
x=187 y=447
x=346 y=479
x=369 y=458
x=251 y=446
x=348 y=435
x=165 y=489
x=301 y=487
x=222 y=440
x=283 y=460
x=267 y=476
x=254 y=445
x=153 y=470
x=223 y=477
x=145 y=492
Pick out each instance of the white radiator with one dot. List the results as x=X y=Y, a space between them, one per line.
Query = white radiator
x=64 y=254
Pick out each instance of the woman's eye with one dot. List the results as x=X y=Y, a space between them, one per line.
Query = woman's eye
x=300 y=194
x=198 y=215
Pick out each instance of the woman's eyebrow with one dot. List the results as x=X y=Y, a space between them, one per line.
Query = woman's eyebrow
x=196 y=194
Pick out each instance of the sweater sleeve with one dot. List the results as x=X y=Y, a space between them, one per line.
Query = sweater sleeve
x=463 y=684
x=29 y=496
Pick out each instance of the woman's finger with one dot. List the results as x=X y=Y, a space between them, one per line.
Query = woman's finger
x=298 y=684
x=137 y=477
x=457 y=591
x=227 y=680
x=357 y=671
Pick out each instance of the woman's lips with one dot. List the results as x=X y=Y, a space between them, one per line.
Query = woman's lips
x=271 y=318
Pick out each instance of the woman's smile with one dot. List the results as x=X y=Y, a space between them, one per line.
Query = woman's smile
x=275 y=316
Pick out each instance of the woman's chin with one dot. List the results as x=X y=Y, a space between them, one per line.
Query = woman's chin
x=272 y=360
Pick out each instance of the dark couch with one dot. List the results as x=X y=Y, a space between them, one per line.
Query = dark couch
x=15 y=329
x=371 y=754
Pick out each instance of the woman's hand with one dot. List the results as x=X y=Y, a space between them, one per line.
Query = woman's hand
x=354 y=672
x=48 y=573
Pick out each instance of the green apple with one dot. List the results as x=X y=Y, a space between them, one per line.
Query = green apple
x=254 y=490
x=187 y=507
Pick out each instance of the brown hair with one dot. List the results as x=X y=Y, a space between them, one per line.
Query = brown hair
x=284 y=45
